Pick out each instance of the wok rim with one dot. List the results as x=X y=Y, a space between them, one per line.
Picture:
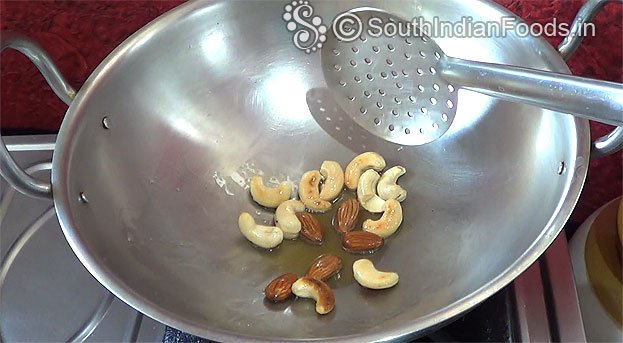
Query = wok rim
x=60 y=167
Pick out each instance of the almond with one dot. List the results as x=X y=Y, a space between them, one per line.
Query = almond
x=281 y=287
x=361 y=241
x=324 y=267
x=346 y=215
x=310 y=227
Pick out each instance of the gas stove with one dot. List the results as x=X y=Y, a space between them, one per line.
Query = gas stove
x=47 y=295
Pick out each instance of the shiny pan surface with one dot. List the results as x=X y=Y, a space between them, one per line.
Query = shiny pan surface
x=213 y=92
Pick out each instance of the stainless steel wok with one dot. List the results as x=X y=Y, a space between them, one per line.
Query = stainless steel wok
x=156 y=149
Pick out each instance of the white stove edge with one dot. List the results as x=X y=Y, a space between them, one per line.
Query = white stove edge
x=45 y=293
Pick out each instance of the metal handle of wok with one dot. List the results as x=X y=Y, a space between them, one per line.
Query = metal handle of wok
x=9 y=169
x=613 y=141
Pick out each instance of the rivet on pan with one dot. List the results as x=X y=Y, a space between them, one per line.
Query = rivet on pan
x=408 y=41
x=435 y=126
x=422 y=54
x=395 y=113
x=375 y=48
x=407 y=56
x=449 y=103
x=399 y=85
x=335 y=52
x=407 y=131
x=436 y=87
x=404 y=72
x=433 y=101
x=337 y=67
x=411 y=98
x=396 y=100
x=379 y=105
x=389 y=62
x=377 y=121
x=383 y=74
x=390 y=47
x=106 y=123
x=357 y=79
x=450 y=88
x=422 y=130
x=366 y=93
x=355 y=50
x=342 y=83
x=370 y=77
x=353 y=63
x=382 y=92
x=367 y=60
x=83 y=198
x=391 y=127
x=444 y=117
x=437 y=56
x=561 y=168
x=424 y=110
x=420 y=88
x=433 y=70
x=363 y=110
x=394 y=73
x=420 y=72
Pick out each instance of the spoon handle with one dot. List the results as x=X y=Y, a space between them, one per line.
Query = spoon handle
x=583 y=97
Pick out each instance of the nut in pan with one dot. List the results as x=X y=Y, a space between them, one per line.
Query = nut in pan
x=359 y=164
x=346 y=215
x=281 y=287
x=324 y=267
x=310 y=194
x=269 y=196
x=310 y=227
x=368 y=276
x=361 y=242
x=389 y=221
x=307 y=287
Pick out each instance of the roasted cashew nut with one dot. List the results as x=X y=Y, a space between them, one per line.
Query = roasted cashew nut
x=389 y=221
x=263 y=236
x=359 y=164
x=368 y=276
x=309 y=193
x=387 y=187
x=333 y=176
x=307 y=287
x=269 y=196
x=286 y=220
x=366 y=192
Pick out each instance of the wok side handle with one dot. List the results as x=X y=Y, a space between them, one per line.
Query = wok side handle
x=9 y=169
x=613 y=141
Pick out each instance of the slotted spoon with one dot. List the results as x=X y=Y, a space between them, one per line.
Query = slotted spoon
x=404 y=90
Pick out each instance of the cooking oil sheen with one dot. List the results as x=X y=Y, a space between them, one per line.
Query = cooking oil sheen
x=295 y=256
